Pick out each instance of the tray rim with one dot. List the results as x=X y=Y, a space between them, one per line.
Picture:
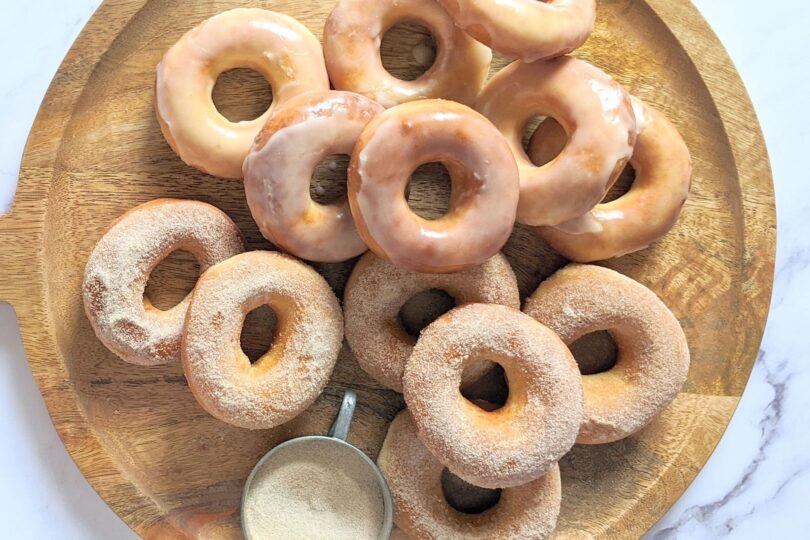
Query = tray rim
x=23 y=278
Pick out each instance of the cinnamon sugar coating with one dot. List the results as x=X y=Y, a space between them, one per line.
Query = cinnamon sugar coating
x=421 y=510
x=653 y=359
x=293 y=373
x=377 y=290
x=119 y=267
x=538 y=423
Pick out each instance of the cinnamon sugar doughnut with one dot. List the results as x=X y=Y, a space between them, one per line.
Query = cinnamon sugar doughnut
x=484 y=186
x=593 y=109
x=421 y=510
x=280 y=165
x=653 y=358
x=526 y=29
x=289 y=376
x=275 y=45
x=115 y=277
x=351 y=46
x=647 y=211
x=376 y=291
x=522 y=440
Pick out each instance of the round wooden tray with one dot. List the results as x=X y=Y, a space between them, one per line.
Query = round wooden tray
x=170 y=470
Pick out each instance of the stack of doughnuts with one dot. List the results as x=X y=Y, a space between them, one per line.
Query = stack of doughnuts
x=550 y=405
x=389 y=127
x=594 y=129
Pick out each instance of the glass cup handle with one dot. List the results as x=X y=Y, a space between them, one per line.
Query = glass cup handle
x=340 y=427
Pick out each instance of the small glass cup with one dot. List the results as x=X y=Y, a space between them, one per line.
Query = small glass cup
x=336 y=435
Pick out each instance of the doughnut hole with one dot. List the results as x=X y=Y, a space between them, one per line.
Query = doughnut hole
x=552 y=146
x=242 y=94
x=429 y=191
x=407 y=51
x=424 y=308
x=465 y=497
x=258 y=332
x=596 y=352
x=171 y=280
x=622 y=184
x=489 y=391
x=552 y=140
x=329 y=180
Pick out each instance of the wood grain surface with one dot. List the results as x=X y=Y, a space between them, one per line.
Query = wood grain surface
x=170 y=470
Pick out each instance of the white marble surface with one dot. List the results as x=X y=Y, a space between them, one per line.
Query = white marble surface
x=757 y=483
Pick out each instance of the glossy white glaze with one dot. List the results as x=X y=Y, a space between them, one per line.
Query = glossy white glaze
x=351 y=43
x=280 y=165
x=580 y=225
x=640 y=112
x=526 y=29
x=484 y=193
x=646 y=212
x=593 y=109
x=275 y=45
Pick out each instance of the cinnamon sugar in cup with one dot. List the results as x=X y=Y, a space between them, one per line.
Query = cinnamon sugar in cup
x=318 y=487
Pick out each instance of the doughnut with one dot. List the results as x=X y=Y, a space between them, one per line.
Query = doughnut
x=647 y=211
x=351 y=46
x=118 y=269
x=377 y=290
x=538 y=424
x=421 y=510
x=280 y=165
x=275 y=45
x=653 y=358
x=593 y=109
x=484 y=186
x=528 y=30
x=288 y=377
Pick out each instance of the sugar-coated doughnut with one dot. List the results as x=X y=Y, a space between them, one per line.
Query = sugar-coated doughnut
x=526 y=29
x=118 y=269
x=377 y=290
x=275 y=45
x=484 y=186
x=593 y=109
x=279 y=169
x=289 y=376
x=351 y=45
x=653 y=358
x=646 y=212
x=538 y=424
x=422 y=512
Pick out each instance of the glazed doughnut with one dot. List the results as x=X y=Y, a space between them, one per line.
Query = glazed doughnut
x=288 y=377
x=528 y=30
x=275 y=45
x=595 y=112
x=118 y=269
x=351 y=46
x=421 y=510
x=653 y=358
x=377 y=290
x=522 y=440
x=647 y=211
x=484 y=186
x=280 y=165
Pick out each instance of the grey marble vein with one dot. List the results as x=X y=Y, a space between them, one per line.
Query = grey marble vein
x=769 y=426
